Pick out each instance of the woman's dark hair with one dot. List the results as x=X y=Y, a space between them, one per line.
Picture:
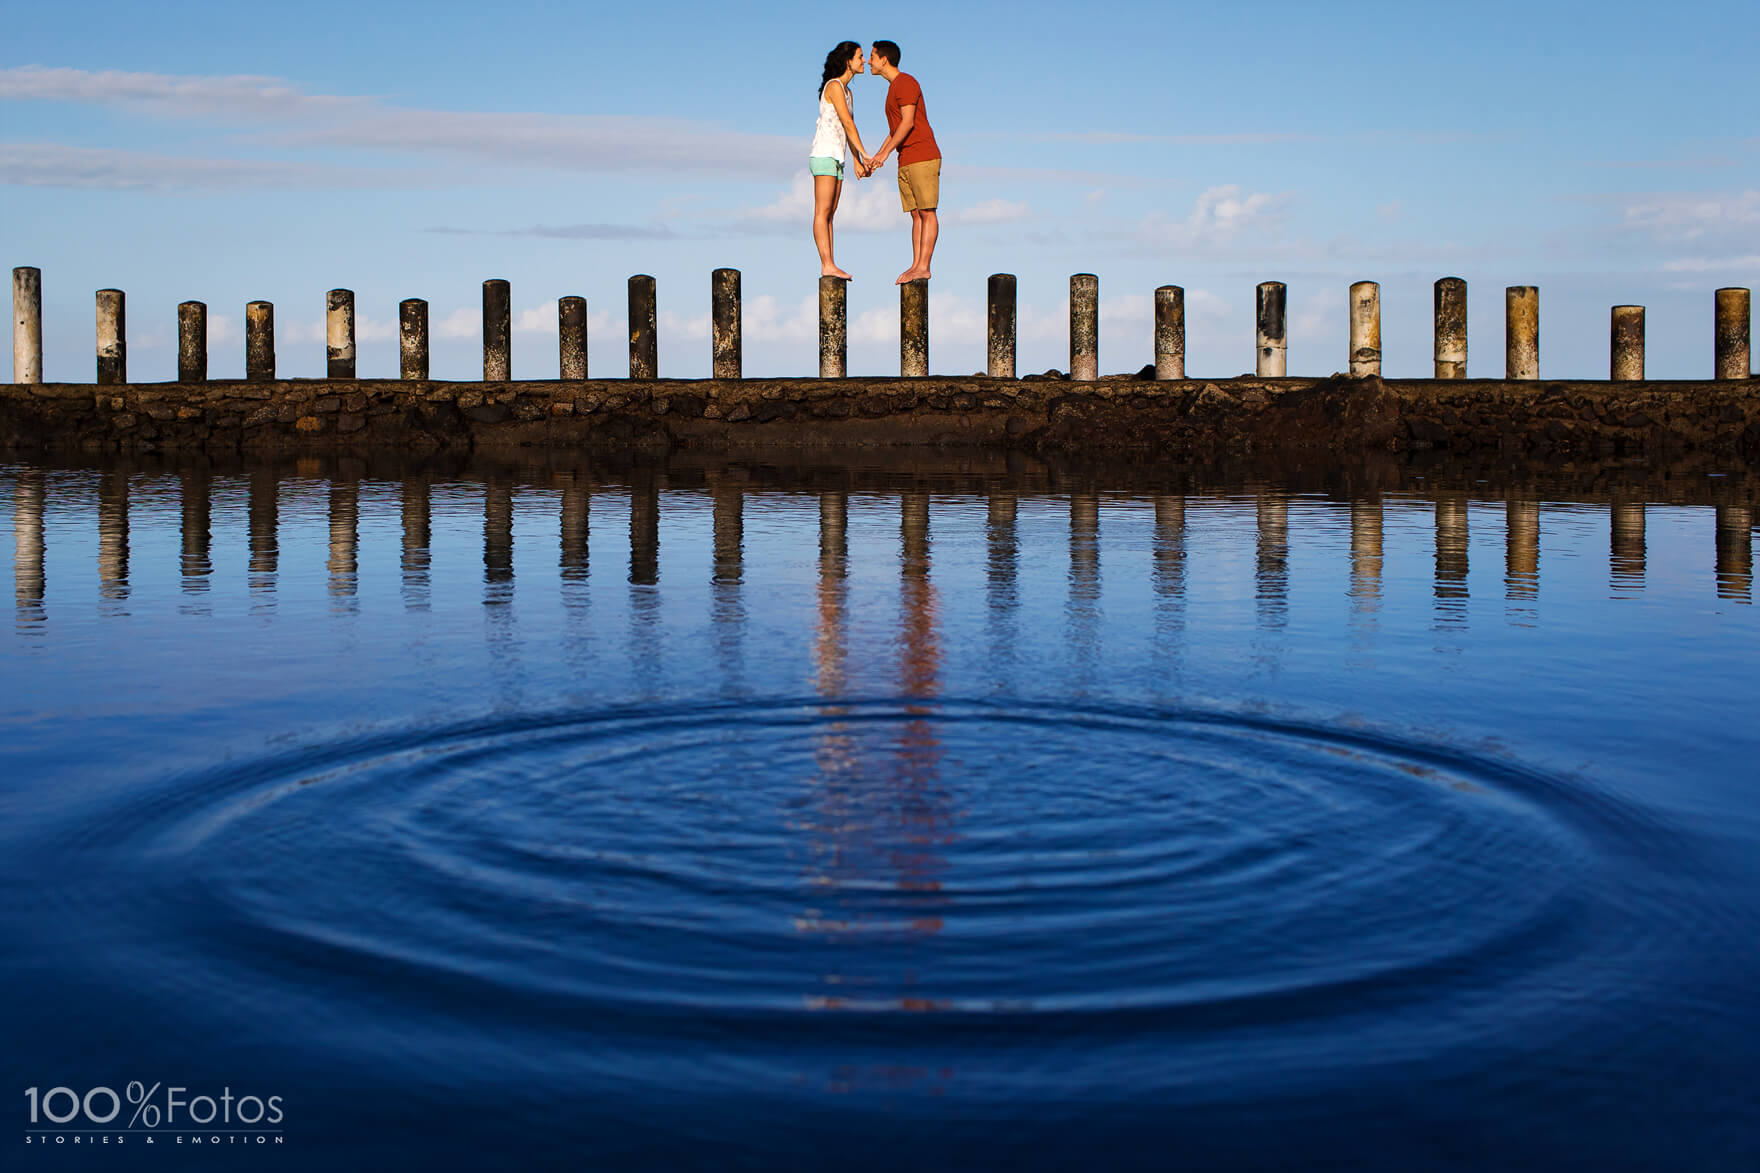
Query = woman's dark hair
x=837 y=61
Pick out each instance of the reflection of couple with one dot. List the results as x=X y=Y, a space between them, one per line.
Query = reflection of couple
x=919 y=158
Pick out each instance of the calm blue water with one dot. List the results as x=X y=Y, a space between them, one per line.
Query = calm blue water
x=814 y=815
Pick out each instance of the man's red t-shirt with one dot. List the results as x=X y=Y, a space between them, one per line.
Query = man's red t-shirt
x=920 y=143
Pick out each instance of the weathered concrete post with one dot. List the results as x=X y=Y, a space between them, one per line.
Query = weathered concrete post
x=112 y=337
x=412 y=339
x=1732 y=346
x=1451 y=328
x=644 y=341
x=339 y=334
x=1365 y=356
x=497 y=331
x=1002 y=326
x=192 y=342
x=571 y=338
x=1170 y=332
x=1521 y=332
x=724 y=318
x=27 y=325
x=1084 y=327
x=1273 y=334
x=833 y=327
x=913 y=328
x=259 y=342
x=1627 y=362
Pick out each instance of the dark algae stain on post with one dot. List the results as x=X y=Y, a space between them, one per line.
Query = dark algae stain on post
x=792 y=808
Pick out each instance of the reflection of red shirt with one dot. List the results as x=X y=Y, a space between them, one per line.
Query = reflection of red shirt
x=920 y=143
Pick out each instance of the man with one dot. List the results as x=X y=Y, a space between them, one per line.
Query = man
x=919 y=157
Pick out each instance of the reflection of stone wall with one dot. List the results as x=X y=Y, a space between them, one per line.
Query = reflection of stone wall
x=1037 y=414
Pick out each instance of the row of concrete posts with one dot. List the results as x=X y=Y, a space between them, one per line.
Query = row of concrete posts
x=1731 y=347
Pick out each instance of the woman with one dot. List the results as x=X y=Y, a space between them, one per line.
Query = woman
x=831 y=139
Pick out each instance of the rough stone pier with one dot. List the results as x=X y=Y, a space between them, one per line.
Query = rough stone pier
x=1120 y=415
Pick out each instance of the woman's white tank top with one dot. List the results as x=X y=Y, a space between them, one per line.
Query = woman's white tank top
x=829 y=140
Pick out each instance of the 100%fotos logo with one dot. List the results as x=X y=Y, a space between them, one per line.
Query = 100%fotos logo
x=175 y=1109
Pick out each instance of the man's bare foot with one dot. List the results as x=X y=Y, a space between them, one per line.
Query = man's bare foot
x=910 y=275
x=834 y=271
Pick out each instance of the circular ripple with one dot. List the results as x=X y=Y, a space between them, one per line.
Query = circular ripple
x=1104 y=869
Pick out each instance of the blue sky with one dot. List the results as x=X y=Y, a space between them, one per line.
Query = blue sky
x=1607 y=152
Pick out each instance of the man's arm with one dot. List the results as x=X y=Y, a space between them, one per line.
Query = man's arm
x=907 y=118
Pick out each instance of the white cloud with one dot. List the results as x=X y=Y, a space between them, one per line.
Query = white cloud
x=863 y=207
x=287 y=115
x=1687 y=218
x=1711 y=264
x=1389 y=212
x=992 y=211
x=103 y=168
x=763 y=320
x=460 y=323
x=1219 y=215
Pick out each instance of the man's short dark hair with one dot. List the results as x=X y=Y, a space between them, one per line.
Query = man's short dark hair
x=888 y=50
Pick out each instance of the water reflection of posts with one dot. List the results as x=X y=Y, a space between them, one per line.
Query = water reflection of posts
x=28 y=579
x=828 y=639
x=920 y=669
x=1451 y=556
x=1521 y=549
x=415 y=559
x=1001 y=587
x=1735 y=553
x=497 y=542
x=644 y=528
x=1169 y=566
x=920 y=677
x=194 y=561
x=1626 y=555
x=727 y=611
x=1366 y=559
x=113 y=535
x=345 y=526
x=1084 y=582
x=1271 y=565
x=574 y=522
x=261 y=523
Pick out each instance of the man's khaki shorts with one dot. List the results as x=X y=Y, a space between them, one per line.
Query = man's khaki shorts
x=919 y=185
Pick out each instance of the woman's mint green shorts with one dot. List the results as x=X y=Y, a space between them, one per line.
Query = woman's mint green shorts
x=825 y=165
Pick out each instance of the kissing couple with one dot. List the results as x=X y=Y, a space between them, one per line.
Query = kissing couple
x=907 y=123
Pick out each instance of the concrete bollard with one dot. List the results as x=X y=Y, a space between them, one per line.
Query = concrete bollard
x=1170 y=332
x=1001 y=348
x=1732 y=343
x=1626 y=364
x=833 y=327
x=1451 y=328
x=112 y=337
x=644 y=342
x=27 y=325
x=259 y=342
x=192 y=342
x=571 y=338
x=412 y=339
x=339 y=349
x=497 y=331
x=1521 y=332
x=1084 y=327
x=1273 y=331
x=913 y=328
x=1365 y=356
x=724 y=319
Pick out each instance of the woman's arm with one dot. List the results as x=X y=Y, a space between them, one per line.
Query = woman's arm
x=840 y=103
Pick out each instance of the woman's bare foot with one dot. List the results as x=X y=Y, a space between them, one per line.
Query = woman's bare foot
x=834 y=271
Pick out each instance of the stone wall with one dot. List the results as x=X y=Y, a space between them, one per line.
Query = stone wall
x=1039 y=414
